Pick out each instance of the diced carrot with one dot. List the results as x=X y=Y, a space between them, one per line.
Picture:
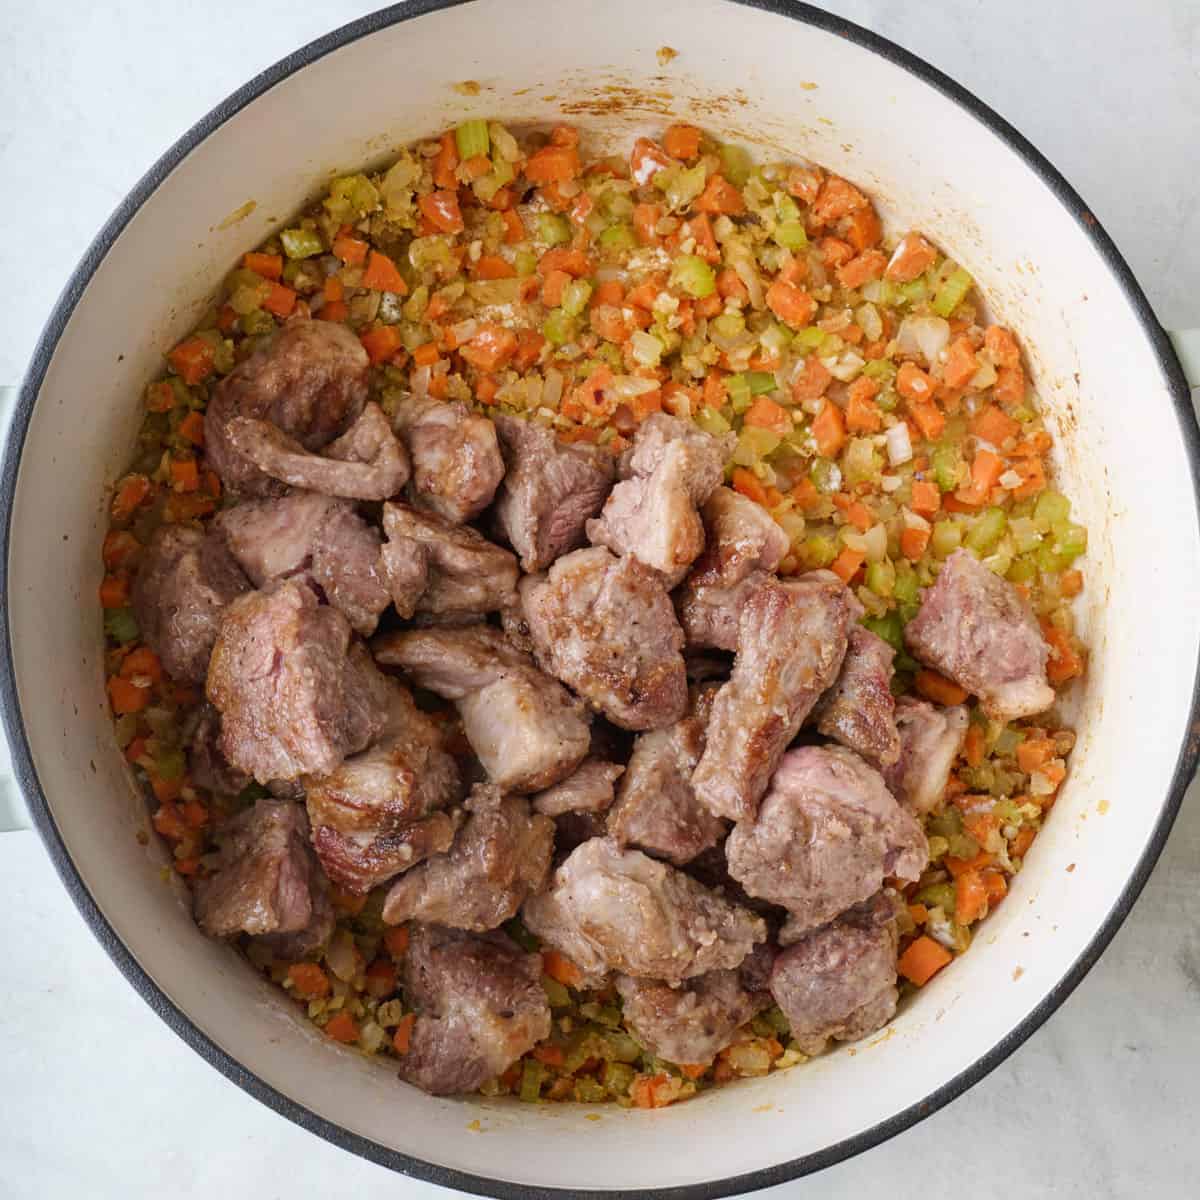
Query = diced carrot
x=269 y=266
x=681 y=141
x=441 y=210
x=126 y=697
x=168 y=821
x=997 y=887
x=646 y=292
x=333 y=288
x=764 y=413
x=701 y=231
x=574 y=262
x=611 y=291
x=994 y=426
x=561 y=969
x=185 y=475
x=804 y=183
x=847 y=564
x=970 y=897
x=1009 y=388
x=693 y=1070
x=938 y=688
x=829 y=430
x=529 y=349
x=926 y=498
x=445 y=164
x=913 y=542
x=609 y=323
x=973 y=746
x=923 y=959
x=342 y=1027
x=192 y=360
x=837 y=198
x=730 y=285
x=859 y=516
x=119 y=549
x=514 y=227
x=1019 y=846
x=183 y=506
x=334 y=310
x=647 y=403
x=486 y=389
x=160 y=397
x=439 y=386
x=352 y=251
x=1070 y=583
x=490 y=348
x=986 y=469
x=308 y=981
x=192 y=428
x=395 y=940
x=553 y=288
x=812 y=381
x=863 y=229
x=806 y=495
x=382 y=274
x=475 y=166
x=550 y=1054
x=114 y=591
x=834 y=252
x=792 y=305
x=553 y=164
x=961 y=363
x=1033 y=752
x=956 y=866
x=911 y=258
x=280 y=300
x=919 y=913
x=862 y=413
x=144 y=662
x=912 y=383
x=1002 y=346
x=381 y=342
x=426 y=354
x=714 y=392
x=863 y=268
x=645 y=218
x=493 y=266
x=748 y=484
x=381 y=978
x=1064 y=663
x=719 y=196
x=646 y=159
x=1033 y=477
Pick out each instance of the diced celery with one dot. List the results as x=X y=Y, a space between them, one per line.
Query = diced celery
x=617 y=1078
x=589 y=1090
x=906 y=589
x=712 y=422
x=694 y=275
x=1023 y=570
x=888 y=627
x=121 y=625
x=1071 y=540
x=738 y=387
x=818 y=550
x=754 y=444
x=617 y=206
x=937 y=895
x=472 y=139
x=947 y=537
x=1007 y=741
x=553 y=229
x=1051 y=509
x=790 y=235
x=680 y=188
x=809 y=338
x=944 y=462
x=525 y=262
x=351 y=197
x=575 y=297
x=952 y=292
x=826 y=476
x=760 y=382
x=786 y=209
x=169 y=763
x=558 y=995
x=881 y=369
x=301 y=243
x=617 y=239
x=558 y=327
x=728 y=325
x=881 y=577
x=986 y=531
x=736 y=164
x=947 y=823
x=432 y=251
x=913 y=292
x=861 y=461
x=533 y=1073
x=257 y=322
x=248 y=297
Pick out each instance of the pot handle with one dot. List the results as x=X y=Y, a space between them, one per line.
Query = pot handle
x=13 y=813
x=1187 y=347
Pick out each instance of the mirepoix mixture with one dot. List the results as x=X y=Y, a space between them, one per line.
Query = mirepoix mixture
x=590 y=627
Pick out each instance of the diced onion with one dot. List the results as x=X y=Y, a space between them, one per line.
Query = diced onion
x=926 y=336
x=464 y=331
x=552 y=392
x=914 y=520
x=632 y=385
x=890 y=483
x=875 y=543
x=899 y=444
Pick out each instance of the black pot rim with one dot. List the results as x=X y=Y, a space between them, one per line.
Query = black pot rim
x=10 y=707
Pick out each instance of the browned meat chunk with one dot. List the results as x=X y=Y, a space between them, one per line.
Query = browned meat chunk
x=671 y=469
x=435 y=566
x=930 y=739
x=358 y=862
x=840 y=981
x=481 y=1007
x=611 y=909
x=266 y=880
x=456 y=458
x=309 y=381
x=525 y=728
x=318 y=537
x=605 y=626
x=691 y=1023
x=589 y=789
x=743 y=545
x=550 y=491
x=499 y=857
x=657 y=811
x=184 y=584
x=978 y=630
x=207 y=766
x=294 y=697
x=859 y=710
x=367 y=462
x=827 y=835
x=791 y=644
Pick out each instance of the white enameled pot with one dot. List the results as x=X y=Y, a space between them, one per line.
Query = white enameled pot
x=793 y=81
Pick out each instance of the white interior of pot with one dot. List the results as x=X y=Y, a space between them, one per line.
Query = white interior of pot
x=744 y=74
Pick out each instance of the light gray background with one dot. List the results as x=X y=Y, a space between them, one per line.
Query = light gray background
x=99 y=1099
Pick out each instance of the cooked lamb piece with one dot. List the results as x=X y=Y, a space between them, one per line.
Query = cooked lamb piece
x=294 y=696
x=456 y=458
x=549 y=492
x=743 y=546
x=184 y=584
x=309 y=381
x=859 y=710
x=526 y=729
x=671 y=469
x=266 y=878
x=368 y=462
x=589 y=789
x=319 y=537
x=978 y=630
x=612 y=909
x=360 y=862
x=826 y=836
x=207 y=766
x=656 y=809
x=840 y=981
x=605 y=626
x=499 y=857
x=930 y=739
x=481 y=1007
x=691 y=1023
x=435 y=566
x=790 y=647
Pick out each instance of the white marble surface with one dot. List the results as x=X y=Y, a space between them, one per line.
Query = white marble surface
x=99 y=1099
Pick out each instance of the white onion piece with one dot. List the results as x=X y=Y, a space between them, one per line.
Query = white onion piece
x=875 y=543
x=926 y=336
x=552 y=392
x=899 y=444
